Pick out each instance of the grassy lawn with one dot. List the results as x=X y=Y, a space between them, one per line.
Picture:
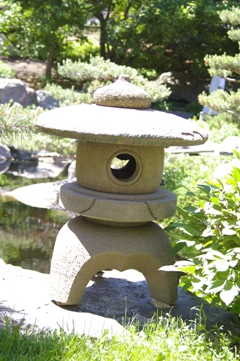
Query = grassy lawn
x=167 y=339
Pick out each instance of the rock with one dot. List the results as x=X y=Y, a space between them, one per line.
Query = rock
x=5 y=152
x=5 y=158
x=14 y=90
x=224 y=170
x=160 y=304
x=72 y=172
x=228 y=145
x=22 y=155
x=108 y=304
x=183 y=87
x=41 y=195
x=45 y=100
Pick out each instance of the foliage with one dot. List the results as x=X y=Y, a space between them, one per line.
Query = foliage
x=166 y=339
x=40 y=28
x=6 y=71
x=228 y=67
x=17 y=127
x=167 y=35
x=212 y=124
x=209 y=237
x=77 y=50
x=99 y=72
x=67 y=97
x=163 y=35
x=15 y=119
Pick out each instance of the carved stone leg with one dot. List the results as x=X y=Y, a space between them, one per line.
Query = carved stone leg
x=83 y=248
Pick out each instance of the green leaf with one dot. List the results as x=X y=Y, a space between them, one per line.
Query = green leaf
x=227 y=296
x=221 y=265
x=216 y=286
x=208 y=232
x=177 y=247
x=228 y=231
x=205 y=188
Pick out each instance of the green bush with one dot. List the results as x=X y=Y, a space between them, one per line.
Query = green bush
x=67 y=97
x=99 y=72
x=78 y=51
x=6 y=71
x=224 y=122
x=208 y=236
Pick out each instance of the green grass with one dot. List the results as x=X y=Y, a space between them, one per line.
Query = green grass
x=167 y=339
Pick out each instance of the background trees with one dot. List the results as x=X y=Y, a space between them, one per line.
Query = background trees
x=167 y=34
x=162 y=35
x=227 y=104
x=40 y=29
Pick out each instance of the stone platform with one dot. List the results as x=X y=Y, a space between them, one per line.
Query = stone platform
x=109 y=303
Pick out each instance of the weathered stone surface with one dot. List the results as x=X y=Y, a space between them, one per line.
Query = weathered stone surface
x=83 y=248
x=118 y=208
x=16 y=91
x=120 y=169
x=109 y=302
x=5 y=158
x=122 y=94
x=5 y=153
x=223 y=170
x=228 y=145
x=121 y=126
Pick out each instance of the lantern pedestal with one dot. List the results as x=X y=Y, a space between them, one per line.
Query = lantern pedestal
x=84 y=247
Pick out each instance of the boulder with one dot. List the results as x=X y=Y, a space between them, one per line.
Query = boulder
x=183 y=87
x=45 y=100
x=14 y=90
x=5 y=158
x=228 y=145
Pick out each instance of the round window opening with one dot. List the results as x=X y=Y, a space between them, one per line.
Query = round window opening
x=123 y=167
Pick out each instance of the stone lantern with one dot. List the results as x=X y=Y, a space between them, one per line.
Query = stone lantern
x=117 y=195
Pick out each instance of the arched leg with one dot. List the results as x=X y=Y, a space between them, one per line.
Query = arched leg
x=83 y=248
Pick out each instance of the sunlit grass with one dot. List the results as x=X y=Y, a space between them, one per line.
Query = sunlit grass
x=166 y=339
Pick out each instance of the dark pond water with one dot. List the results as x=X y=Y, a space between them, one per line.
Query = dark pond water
x=27 y=234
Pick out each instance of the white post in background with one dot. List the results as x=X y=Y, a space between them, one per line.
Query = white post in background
x=216 y=83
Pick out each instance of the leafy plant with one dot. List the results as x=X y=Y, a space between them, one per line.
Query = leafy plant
x=99 y=72
x=208 y=236
x=228 y=67
x=15 y=119
x=67 y=96
x=6 y=71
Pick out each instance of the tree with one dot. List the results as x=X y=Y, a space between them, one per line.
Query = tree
x=39 y=28
x=169 y=35
x=226 y=103
x=163 y=35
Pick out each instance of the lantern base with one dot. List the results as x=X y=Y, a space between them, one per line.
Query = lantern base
x=84 y=248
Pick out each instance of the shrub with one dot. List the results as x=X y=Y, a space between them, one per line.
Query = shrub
x=208 y=235
x=79 y=51
x=67 y=96
x=228 y=67
x=99 y=72
x=223 y=122
x=6 y=71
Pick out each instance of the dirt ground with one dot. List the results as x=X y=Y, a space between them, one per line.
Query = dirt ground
x=30 y=71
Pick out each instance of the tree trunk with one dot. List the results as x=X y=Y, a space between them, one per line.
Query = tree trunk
x=103 y=39
x=49 y=64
